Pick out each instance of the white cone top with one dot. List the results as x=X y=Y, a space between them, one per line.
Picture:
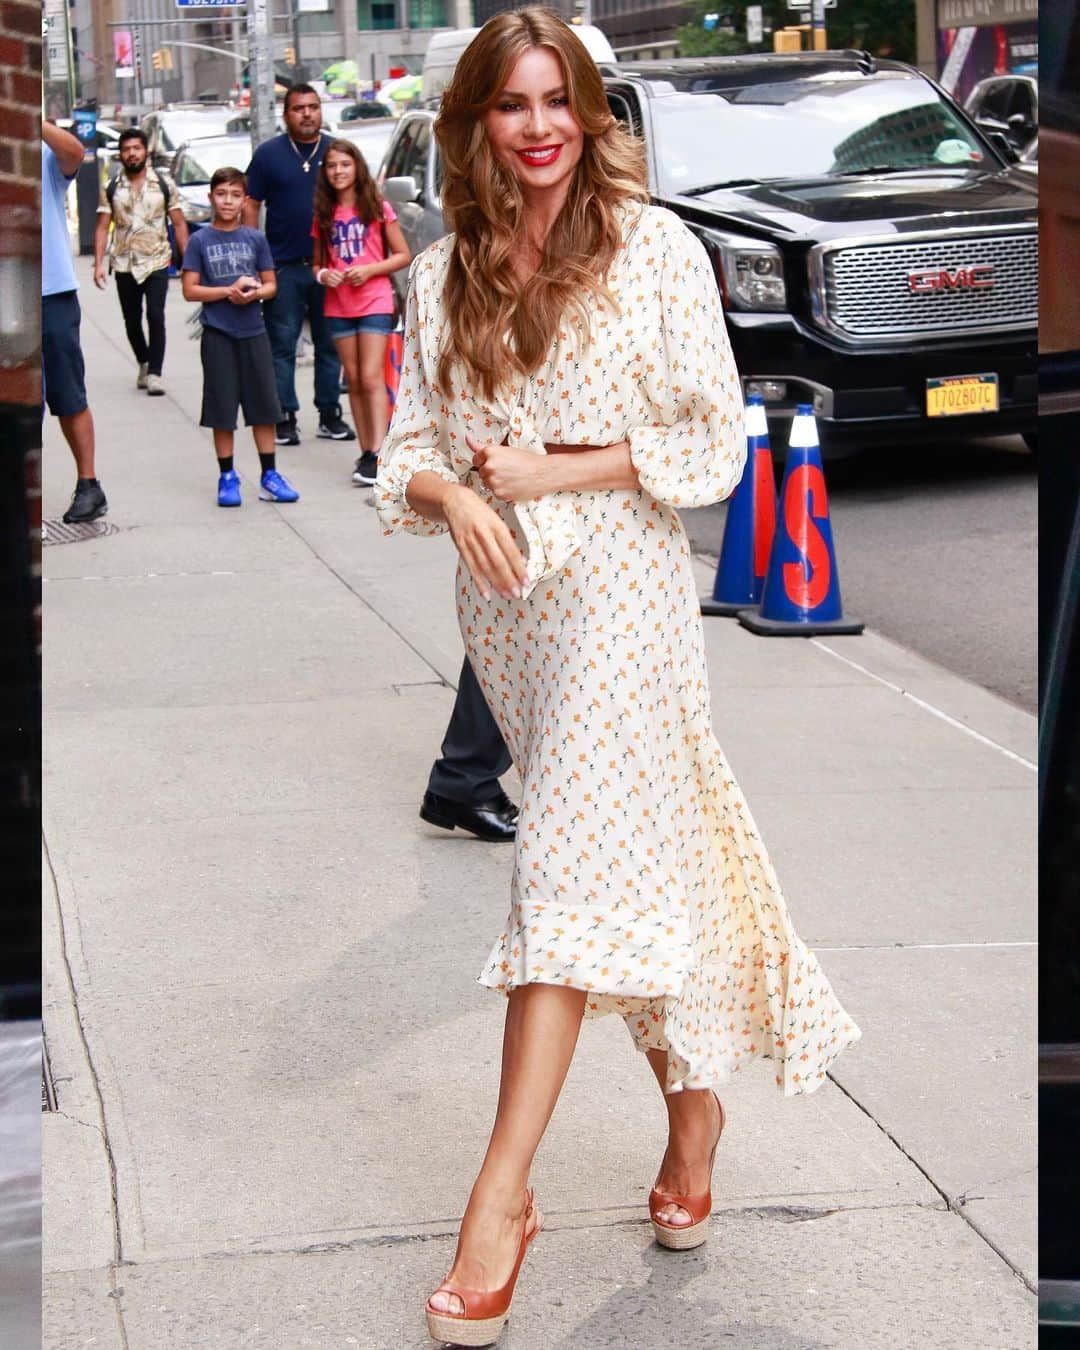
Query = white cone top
x=756 y=422
x=804 y=434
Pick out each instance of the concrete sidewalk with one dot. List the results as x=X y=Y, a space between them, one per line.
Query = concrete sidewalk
x=261 y=964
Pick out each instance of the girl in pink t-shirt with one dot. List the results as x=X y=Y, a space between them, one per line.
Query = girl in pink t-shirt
x=358 y=244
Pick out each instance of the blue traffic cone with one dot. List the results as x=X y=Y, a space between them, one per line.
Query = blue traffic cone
x=750 y=524
x=802 y=589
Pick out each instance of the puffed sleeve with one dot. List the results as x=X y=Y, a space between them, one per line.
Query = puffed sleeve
x=694 y=452
x=417 y=437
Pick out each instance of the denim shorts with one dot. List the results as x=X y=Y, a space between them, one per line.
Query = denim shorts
x=366 y=323
x=62 y=369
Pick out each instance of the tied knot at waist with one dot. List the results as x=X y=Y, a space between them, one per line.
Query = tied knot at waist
x=547 y=522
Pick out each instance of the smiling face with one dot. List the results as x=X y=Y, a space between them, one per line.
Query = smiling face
x=531 y=129
x=303 y=117
x=340 y=170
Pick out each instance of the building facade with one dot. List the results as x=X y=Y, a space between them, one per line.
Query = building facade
x=963 y=41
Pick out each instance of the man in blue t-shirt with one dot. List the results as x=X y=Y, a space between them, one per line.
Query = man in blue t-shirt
x=63 y=372
x=282 y=173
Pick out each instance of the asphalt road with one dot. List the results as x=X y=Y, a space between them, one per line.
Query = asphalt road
x=936 y=549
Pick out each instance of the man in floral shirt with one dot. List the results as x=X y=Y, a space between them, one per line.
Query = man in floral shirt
x=139 y=202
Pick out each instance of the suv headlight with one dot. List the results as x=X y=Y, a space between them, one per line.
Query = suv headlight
x=751 y=273
x=195 y=213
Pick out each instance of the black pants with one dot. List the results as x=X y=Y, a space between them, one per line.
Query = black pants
x=474 y=754
x=155 y=288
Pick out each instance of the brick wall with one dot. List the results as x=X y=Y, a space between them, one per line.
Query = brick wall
x=20 y=178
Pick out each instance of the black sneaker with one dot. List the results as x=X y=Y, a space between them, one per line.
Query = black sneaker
x=367 y=466
x=87 y=502
x=332 y=428
x=285 y=433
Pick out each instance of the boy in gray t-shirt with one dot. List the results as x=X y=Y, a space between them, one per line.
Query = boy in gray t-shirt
x=227 y=266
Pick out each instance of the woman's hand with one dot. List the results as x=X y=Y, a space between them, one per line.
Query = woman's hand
x=357 y=275
x=485 y=543
x=511 y=474
x=332 y=278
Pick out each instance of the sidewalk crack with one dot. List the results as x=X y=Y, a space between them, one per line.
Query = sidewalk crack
x=955 y=1204
x=103 y=1128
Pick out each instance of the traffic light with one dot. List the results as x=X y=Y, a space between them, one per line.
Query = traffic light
x=162 y=59
x=290 y=56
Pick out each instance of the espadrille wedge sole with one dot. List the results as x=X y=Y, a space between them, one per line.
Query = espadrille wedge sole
x=485 y=1312
x=684 y=1237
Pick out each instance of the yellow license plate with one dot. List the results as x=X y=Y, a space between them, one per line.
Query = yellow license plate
x=961 y=395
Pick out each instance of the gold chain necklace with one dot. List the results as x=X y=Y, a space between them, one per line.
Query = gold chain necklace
x=306 y=162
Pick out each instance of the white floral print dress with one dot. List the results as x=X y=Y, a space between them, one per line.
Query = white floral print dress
x=639 y=875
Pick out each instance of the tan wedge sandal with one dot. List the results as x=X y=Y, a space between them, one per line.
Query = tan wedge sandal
x=682 y=1237
x=485 y=1313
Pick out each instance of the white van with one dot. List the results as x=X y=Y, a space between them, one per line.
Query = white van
x=444 y=49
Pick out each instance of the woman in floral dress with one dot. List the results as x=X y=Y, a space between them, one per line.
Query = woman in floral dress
x=567 y=384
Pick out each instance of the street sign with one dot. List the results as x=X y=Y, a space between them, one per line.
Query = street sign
x=754 y=27
x=807 y=4
x=208 y=4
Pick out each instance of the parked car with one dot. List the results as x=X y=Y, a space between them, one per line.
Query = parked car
x=194 y=165
x=169 y=128
x=875 y=255
x=370 y=138
x=411 y=178
x=364 y=111
x=1008 y=104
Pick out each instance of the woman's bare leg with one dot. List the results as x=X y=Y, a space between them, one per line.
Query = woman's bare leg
x=693 y=1122
x=542 y=1025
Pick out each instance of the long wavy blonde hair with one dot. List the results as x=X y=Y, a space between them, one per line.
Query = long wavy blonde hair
x=500 y=327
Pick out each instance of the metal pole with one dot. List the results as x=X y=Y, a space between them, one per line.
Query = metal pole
x=818 y=25
x=296 y=42
x=260 y=72
x=136 y=56
x=70 y=60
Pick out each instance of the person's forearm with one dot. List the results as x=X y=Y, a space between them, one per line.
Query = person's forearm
x=590 y=468
x=427 y=494
x=206 y=295
x=101 y=236
x=388 y=266
x=65 y=145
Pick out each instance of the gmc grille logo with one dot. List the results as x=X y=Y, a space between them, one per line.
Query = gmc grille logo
x=935 y=279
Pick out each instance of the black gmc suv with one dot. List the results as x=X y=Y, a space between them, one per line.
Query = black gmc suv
x=877 y=255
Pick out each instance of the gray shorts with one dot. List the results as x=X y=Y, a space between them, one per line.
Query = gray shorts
x=237 y=373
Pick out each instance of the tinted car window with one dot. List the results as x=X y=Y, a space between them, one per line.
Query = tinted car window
x=396 y=165
x=821 y=125
x=416 y=164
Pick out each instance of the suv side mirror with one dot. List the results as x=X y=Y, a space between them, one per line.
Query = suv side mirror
x=1004 y=146
x=401 y=191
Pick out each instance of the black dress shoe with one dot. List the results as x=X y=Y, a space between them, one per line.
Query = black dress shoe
x=494 y=821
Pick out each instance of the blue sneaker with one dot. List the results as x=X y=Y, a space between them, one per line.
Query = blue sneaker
x=274 y=488
x=228 y=489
